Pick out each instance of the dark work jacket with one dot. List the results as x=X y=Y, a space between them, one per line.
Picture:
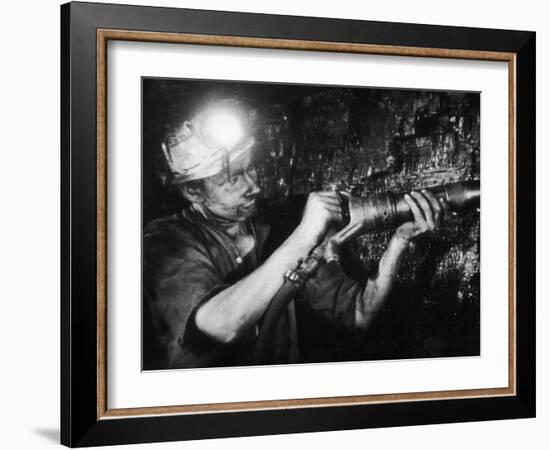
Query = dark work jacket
x=186 y=261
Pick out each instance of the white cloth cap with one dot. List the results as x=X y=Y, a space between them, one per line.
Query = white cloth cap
x=191 y=155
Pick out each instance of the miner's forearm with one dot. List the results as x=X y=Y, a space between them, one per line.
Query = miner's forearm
x=379 y=287
x=235 y=309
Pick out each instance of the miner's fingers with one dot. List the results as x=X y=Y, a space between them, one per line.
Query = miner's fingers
x=435 y=205
x=416 y=212
x=336 y=213
x=330 y=197
x=425 y=207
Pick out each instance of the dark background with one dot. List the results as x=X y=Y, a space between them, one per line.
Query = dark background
x=365 y=140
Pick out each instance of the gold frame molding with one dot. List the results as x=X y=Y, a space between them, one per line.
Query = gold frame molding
x=105 y=35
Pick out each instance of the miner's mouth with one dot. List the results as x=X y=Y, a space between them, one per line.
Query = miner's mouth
x=249 y=203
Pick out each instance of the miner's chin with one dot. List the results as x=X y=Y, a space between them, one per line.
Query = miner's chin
x=248 y=209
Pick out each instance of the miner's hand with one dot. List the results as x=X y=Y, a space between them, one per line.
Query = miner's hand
x=322 y=209
x=428 y=213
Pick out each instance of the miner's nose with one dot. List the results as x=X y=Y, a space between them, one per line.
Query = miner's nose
x=253 y=188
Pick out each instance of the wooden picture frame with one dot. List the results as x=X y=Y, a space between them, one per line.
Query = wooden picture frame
x=86 y=418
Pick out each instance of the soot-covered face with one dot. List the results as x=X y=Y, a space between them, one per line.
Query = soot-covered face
x=232 y=198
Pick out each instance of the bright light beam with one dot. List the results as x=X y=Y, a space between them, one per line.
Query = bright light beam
x=223 y=128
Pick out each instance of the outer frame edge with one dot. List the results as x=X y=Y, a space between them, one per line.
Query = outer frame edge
x=526 y=224
x=101 y=432
x=77 y=203
x=65 y=335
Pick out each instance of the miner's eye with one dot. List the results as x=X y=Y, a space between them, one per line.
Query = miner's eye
x=251 y=170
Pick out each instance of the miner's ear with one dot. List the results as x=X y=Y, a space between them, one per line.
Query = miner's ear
x=192 y=192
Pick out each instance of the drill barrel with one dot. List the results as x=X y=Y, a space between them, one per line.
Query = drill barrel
x=461 y=196
x=388 y=209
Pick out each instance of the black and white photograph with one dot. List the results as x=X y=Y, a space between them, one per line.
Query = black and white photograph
x=276 y=224
x=299 y=224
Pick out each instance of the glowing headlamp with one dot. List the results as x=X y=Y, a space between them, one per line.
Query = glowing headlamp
x=223 y=128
